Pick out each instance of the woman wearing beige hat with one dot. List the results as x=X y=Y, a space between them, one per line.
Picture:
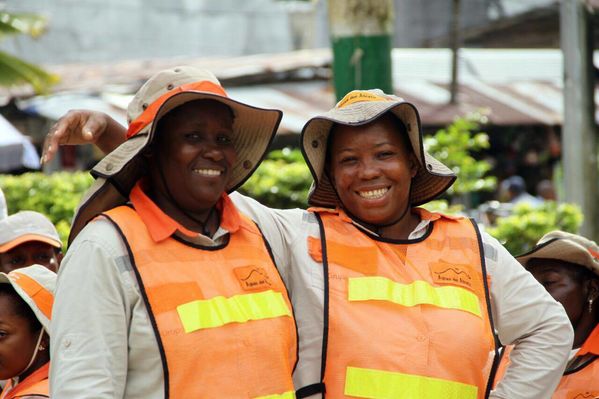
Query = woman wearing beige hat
x=172 y=292
x=26 y=297
x=567 y=265
x=393 y=301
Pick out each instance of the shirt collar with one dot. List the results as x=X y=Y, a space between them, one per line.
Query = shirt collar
x=161 y=226
x=591 y=345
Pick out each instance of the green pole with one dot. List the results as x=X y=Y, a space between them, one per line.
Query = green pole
x=361 y=35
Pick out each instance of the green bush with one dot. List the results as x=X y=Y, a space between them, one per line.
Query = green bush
x=281 y=181
x=520 y=231
x=55 y=195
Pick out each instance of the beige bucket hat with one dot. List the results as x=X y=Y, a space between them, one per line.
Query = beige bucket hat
x=27 y=226
x=116 y=174
x=360 y=107
x=36 y=285
x=567 y=247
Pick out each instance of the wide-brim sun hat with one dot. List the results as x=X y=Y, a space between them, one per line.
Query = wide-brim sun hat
x=27 y=226
x=36 y=285
x=567 y=247
x=360 y=107
x=253 y=131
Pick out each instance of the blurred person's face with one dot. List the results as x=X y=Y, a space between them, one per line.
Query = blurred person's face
x=371 y=168
x=30 y=253
x=560 y=279
x=195 y=156
x=17 y=339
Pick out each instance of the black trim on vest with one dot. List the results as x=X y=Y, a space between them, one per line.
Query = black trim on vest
x=310 y=390
x=582 y=366
x=429 y=230
x=203 y=247
x=272 y=258
x=483 y=265
x=325 y=320
x=148 y=307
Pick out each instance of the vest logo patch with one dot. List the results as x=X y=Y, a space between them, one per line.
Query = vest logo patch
x=578 y=394
x=454 y=274
x=252 y=278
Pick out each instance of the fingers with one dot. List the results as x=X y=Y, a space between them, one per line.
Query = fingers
x=76 y=127
x=51 y=142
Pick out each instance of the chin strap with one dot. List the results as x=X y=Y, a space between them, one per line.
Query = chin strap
x=37 y=349
x=202 y=223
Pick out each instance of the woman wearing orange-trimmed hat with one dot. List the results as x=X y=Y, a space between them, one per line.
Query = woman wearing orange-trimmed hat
x=393 y=301
x=26 y=297
x=567 y=265
x=171 y=292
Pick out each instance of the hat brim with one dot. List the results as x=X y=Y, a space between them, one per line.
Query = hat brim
x=29 y=238
x=432 y=179
x=254 y=130
x=563 y=250
x=42 y=276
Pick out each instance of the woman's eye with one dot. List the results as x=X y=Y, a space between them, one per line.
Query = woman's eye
x=2 y=334
x=192 y=136
x=347 y=160
x=224 y=139
x=385 y=154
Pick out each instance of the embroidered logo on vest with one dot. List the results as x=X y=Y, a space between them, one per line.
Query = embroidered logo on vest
x=252 y=278
x=454 y=274
x=583 y=394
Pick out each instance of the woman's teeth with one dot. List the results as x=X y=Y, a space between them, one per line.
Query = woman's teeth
x=373 y=194
x=208 y=172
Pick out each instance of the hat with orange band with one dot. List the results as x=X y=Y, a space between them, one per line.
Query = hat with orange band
x=27 y=226
x=253 y=131
x=36 y=285
x=360 y=107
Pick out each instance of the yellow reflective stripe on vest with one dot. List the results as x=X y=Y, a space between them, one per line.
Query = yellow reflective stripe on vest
x=286 y=395
x=378 y=384
x=218 y=311
x=417 y=293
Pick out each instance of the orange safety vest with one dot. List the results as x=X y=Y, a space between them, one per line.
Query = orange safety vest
x=221 y=315
x=579 y=383
x=404 y=319
x=35 y=384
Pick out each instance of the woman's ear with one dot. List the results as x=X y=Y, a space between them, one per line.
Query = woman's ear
x=414 y=165
x=593 y=289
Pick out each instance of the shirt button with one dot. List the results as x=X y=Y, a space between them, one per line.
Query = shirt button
x=66 y=343
x=421 y=338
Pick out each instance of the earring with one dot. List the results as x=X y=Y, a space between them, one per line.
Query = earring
x=41 y=347
x=590 y=305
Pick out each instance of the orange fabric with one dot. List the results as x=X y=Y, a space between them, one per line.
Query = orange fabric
x=235 y=360
x=591 y=345
x=422 y=340
x=36 y=384
x=161 y=226
x=582 y=384
x=41 y=296
x=149 y=114
x=504 y=363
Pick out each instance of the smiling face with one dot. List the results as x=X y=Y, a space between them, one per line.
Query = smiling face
x=195 y=153
x=371 y=167
x=18 y=338
x=30 y=253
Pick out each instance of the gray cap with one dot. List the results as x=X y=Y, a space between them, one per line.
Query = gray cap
x=27 y=226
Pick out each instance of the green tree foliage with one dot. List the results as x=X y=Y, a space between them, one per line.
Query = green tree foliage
x=281 y=181
x=520 y=231
x=55 y=195
x=455 y=146
x=15 y=71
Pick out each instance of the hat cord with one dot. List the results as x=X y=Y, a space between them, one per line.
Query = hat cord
x=202 y=223
x=33 y=357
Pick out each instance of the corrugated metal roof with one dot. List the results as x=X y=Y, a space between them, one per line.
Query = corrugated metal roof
x=514 y=87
